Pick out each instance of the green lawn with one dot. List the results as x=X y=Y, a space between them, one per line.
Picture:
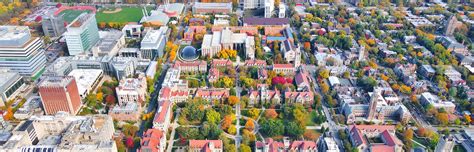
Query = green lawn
x=127 y=14
x=70 y=15
x=310 y=118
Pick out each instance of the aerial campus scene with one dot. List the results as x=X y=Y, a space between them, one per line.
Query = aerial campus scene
x=237 y=76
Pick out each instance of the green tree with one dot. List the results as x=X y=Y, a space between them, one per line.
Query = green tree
x=212 y=116
x=272 y=127
x=294 y=130
x=245 y=148
x=210 y=131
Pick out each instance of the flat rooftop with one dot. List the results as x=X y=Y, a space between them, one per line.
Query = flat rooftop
x=14 y=35
x=56 y=81
x=6 y=77
x=85 y=78
x=212 y=5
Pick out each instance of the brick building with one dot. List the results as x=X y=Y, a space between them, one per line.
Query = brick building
x=60 y=94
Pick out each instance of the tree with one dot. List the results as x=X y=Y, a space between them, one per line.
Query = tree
x=129 y=142
x=442 y=118
x=232 y=130
x=233 y=100
x=254 y=113
x=129 y=130
x=249 y=125
x=277 y=3
x=453 y=91
x=227 y=121
x=102 y=25
x=271 y=114
x=324 y=74
x=227 y=54
x=294 y=130
x=408 y=136
x=212 y=116
x=244 y=148
x=100 y=96
x=310 y=135
x=210 y=131
x=47 y=39
x=110 y=100
x=467 y=118
x=120 y=146
x=405 y=89
x=422 y=132
x=324 y=87
x=384 y=77
x=9 y=114
x=272 y=127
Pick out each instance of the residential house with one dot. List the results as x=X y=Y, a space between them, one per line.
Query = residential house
x=212 y=94
x=153 y=140
x=205 y=146
x=302 y=80
x=163 y=116
x=264 y=95
x=192 y=67
x=306 y=97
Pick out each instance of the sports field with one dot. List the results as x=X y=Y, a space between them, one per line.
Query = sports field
x=70 y=15
x=127 y=14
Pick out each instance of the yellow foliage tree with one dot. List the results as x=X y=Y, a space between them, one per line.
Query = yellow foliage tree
x=249 y=125
x=227 y=54
x=100 y=96
x=233 y=100
x=384 y=77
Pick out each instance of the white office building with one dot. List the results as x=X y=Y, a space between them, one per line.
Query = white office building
x=62 y=132
x=82 y=34
x=20 y=52
x=87 y=80
x=132 y=90
x=282 y=11
x=226 y=39
x=269 y=7
x=154 y=42
x=252 y=4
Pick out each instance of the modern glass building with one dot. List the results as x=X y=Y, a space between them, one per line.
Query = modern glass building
x=82 y=34
x=20 y=52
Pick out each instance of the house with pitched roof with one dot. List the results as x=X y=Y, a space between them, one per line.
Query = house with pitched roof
x=221 y=63
x=303 y=146
x=153 y=140
x=212 y=94
x=284 y=68
x=264 y=95
x=269 y=145
x=302 y=80
x=306 y=97
x=256 y=63
x=193 y=67
x=163 y=116
x=213 y=75
x=205 y=146
x=367 y=138
x=173 y=95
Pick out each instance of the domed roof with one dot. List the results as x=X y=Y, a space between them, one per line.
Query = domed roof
x=189 y=53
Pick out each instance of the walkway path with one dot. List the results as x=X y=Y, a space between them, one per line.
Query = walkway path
x=174 y=125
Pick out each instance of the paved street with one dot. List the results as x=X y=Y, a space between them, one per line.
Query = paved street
x=333 y=127
x=173 y=125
